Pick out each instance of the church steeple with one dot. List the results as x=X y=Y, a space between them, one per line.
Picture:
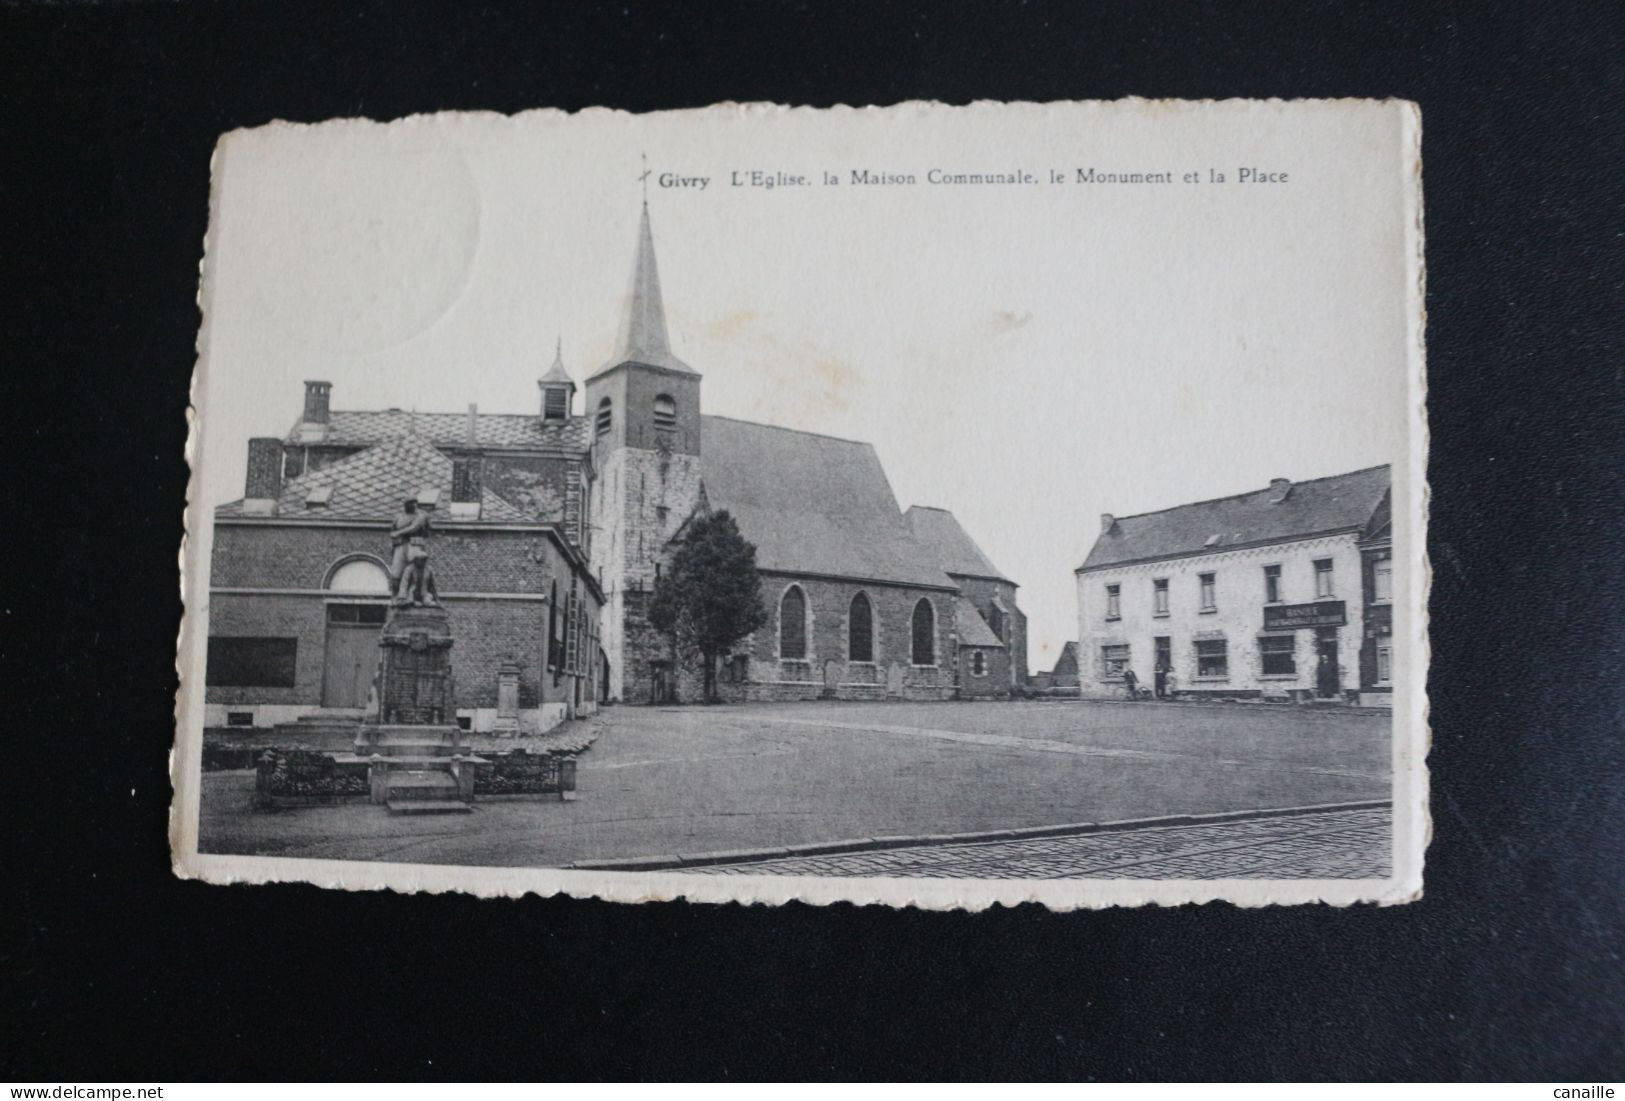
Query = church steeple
x=644 y=338
x=558 y=388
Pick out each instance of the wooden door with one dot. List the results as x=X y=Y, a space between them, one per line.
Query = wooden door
x=352 y=654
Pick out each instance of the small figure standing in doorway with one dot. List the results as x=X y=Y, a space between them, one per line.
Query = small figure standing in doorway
x=1131 y=683
x=1159 y=681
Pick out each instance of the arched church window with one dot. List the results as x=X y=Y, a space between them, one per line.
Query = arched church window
x=359 y=575
x=860 y=630
x=925 y=633
x=665 y=413
x=978 y=664
x=793 y=624
x=605 y=417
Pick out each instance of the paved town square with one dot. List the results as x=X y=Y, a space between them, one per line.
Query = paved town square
x=693 y=780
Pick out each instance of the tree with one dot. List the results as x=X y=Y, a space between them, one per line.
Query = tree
x=712 y=596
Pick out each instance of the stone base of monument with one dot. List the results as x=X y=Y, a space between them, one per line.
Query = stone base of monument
x=416 y=768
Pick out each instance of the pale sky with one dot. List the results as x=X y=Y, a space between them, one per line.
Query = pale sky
x=1027 y=355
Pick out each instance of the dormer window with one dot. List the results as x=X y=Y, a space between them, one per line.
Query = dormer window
x=555 y=403
x=665 y=414
x=605 y=418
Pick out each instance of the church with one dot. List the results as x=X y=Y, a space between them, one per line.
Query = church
x=863 y=600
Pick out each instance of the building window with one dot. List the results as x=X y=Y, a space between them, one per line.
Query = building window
x=1385 y=661
x=665 y=414
x=367 y=615
x=1212 y=658
x=1113 y=660
x=1159 y=596
x=605 y=418
x=978 y=664
x=1323 y=578
x=860 y=630
x=925 y=633
x=1272 y=584
x=1278 y=655
x=1114 y=602
x=252 y=662
x=1210 y=601
x=359 y=575
x=1382 y=580
x=793 y=624
x=555 y=403
x=555 y=630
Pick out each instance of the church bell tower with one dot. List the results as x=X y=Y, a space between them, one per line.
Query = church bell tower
x=644 y=409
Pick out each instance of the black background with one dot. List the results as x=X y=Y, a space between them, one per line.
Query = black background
x=1510 y=967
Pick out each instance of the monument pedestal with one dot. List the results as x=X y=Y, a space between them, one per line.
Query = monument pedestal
x=416 y=762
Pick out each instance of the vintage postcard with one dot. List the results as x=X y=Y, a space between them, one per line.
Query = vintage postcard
x=922 y=505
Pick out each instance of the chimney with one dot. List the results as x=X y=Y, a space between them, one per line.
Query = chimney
x=313 y=424
x=1280 y=490
x=317 y=395
x=473 y=423
x=465 y=488
x=264 y=476
x=1107 y=523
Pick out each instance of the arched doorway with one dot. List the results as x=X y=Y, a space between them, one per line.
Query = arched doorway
x=356 y=607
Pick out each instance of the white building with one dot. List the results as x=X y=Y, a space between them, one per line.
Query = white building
x=1281 y=592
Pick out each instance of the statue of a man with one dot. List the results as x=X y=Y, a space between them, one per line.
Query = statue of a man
x=409 y=572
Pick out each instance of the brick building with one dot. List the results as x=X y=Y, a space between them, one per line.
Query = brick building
x=298 y=589
x=1278 y=592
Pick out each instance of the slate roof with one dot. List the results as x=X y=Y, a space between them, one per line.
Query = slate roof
x=1068 y=651
x=371 y=484
x=956 y=552
x=1339 y=502
x=973 y=629
x=491 y=430
x=812 y=504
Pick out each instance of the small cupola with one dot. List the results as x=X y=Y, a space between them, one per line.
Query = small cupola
x=558 y=389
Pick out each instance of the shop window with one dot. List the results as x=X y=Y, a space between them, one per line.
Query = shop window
x=1323 y=578
x=925 y=633
x=1159 y=596
x=1114 y=602
x=1382 y=580
x=1113 y=660
x=860 y=633
x=793 y=624
x=1278 y=654
x=1212 y=658
x=1272 y=585
x=1208 y=584
x=1385 y=662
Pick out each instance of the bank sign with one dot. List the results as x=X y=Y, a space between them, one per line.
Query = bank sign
x=1289 y=617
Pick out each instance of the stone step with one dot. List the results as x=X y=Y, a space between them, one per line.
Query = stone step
x=405 y=784
x=428 y=806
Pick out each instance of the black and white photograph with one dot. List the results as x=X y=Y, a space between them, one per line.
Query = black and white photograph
x=931 y=506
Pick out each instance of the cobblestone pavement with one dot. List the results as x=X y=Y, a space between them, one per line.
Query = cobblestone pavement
x=1328 y=845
